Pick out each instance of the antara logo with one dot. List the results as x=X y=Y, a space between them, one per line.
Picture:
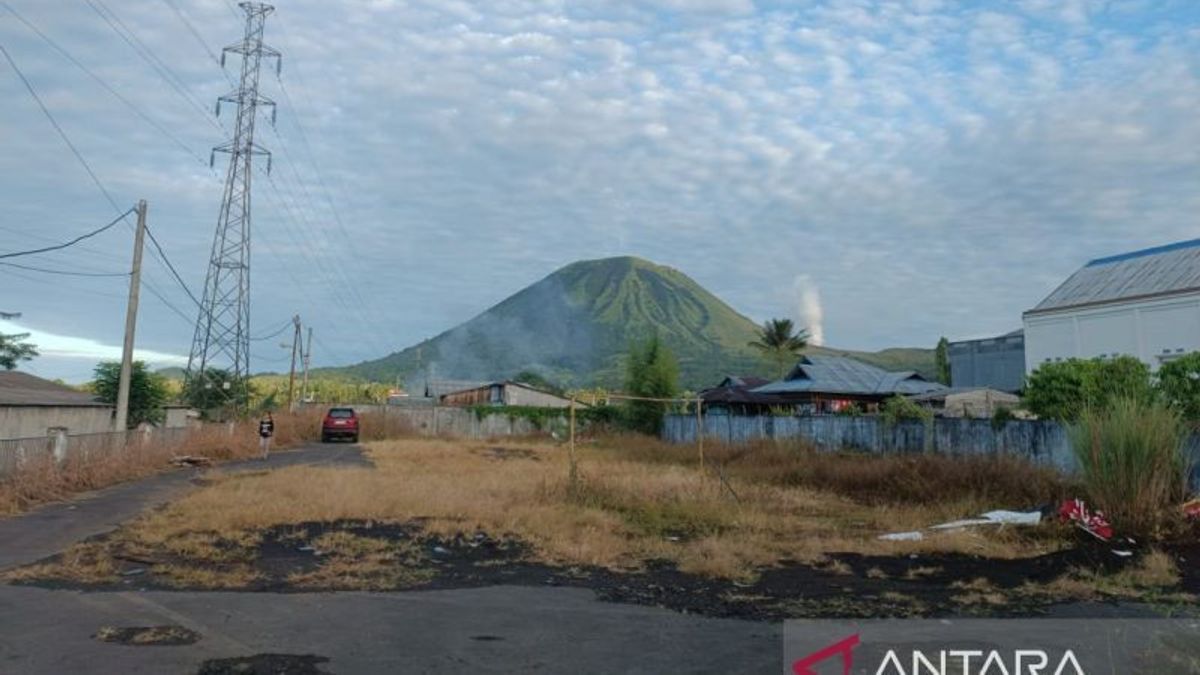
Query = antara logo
x=946 y=662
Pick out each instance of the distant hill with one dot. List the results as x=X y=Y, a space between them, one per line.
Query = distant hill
x=172 y=372
x=575 y=325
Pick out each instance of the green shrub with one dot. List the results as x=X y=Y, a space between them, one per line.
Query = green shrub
x=900 y=409
x=1002 y=416
x=1064 y=389
x=1179 y=384
x=1132 y=462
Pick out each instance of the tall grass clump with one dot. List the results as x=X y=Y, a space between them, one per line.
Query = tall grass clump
x=1132 y=461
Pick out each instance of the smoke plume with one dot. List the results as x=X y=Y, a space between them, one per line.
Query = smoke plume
x=809 y=313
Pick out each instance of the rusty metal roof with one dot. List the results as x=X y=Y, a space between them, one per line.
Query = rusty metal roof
x=23 y=389
x=1162 y=270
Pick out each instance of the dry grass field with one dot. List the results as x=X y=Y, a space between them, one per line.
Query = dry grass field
x=636 y=504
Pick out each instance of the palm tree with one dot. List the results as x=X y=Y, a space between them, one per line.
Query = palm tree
x=779 y=341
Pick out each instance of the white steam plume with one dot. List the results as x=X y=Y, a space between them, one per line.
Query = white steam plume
x=809 y=313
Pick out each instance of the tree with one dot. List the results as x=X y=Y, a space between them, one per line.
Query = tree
x=651 y=372
x=941 y=357
x=780 y=342
x=216 y=393
x=14 y=349
x=148 y=391
x=1062 y=390
x=1179 y=384
x=537 y=381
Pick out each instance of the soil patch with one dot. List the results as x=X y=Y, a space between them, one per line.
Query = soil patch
x=266 y=664
x=148 y=636
x=345 y=555
x=501 y=453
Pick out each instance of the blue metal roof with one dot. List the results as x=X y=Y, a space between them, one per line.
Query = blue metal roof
x=842 y=375
x=1154 y=271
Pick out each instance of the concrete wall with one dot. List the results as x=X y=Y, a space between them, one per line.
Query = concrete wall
x=1154 y=330
x=386 y=421
x=34 y=421
x=998 y=363
x=1041 y=441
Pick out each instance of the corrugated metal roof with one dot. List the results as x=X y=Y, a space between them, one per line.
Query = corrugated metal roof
x=843 y=375
x=23 y=389
x=1161 y=270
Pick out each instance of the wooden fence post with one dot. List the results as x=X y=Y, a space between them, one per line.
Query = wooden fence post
x=574 y=476
x=700 y=431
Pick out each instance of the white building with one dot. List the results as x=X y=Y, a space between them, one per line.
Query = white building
x=1144 y=304
x=30 y=407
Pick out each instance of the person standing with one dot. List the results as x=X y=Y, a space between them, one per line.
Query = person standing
x=266 y=429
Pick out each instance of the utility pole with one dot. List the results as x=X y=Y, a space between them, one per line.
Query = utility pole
x=222 y=336
x=135 y=284
x=292 y=374
x=305 y=360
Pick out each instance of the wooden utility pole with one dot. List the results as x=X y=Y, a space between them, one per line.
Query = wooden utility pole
x=135 y=283
x=700 y=431
x=292 y=373
x=305 y=360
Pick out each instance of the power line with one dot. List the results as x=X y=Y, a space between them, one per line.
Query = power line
x=99 y=80
x=46 y=111
x=163 y=255
x=147 y=54
x=192 y=29
x=67 y=273
x=74 y=241
x=284 y=327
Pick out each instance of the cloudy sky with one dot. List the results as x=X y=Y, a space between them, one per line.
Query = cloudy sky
x=922 y=167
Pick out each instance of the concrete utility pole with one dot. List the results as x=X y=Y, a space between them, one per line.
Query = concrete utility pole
x=305 y=360
x=135 y=284
x=292 y=374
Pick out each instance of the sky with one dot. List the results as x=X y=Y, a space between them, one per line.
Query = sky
x=887 y=172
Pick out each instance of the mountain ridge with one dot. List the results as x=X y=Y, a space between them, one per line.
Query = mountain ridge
x=575 y=324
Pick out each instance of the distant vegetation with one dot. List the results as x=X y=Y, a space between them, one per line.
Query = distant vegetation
x=14 y=349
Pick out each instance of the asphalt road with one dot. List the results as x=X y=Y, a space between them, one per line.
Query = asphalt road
x=491 y=630
x=52 y=528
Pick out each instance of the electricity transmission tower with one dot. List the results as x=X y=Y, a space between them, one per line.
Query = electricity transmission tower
x=220 y=356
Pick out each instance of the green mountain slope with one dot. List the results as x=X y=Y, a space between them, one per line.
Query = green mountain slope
x=575 y=325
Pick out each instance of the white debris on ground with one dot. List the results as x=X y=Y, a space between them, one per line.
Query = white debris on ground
x=990 y=518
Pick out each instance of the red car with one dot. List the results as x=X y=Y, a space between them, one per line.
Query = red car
x=340 y=423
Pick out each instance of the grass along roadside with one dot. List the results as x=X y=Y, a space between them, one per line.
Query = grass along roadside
x=41 y=480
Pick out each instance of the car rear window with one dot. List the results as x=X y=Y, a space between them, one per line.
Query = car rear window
x=341 y=413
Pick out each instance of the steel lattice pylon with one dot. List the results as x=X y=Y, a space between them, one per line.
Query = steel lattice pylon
x=222 y=337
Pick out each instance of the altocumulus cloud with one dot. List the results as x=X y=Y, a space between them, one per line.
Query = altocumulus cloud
x=932 y=167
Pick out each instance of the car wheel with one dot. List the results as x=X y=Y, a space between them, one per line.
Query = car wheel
x=324 y=438
x=354 y=438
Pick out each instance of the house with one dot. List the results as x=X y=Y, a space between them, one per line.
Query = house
x=436 y=389
x=995 y=362
x=829 y=384
x=967 y=401
x=735 y=396
x=1144 y=304
x=31 y=406
x=507 y=393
